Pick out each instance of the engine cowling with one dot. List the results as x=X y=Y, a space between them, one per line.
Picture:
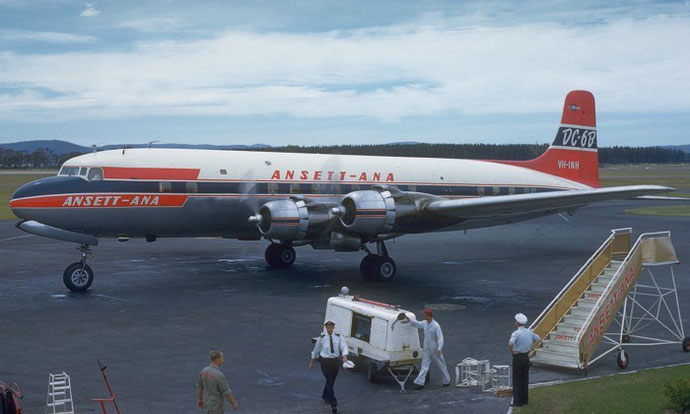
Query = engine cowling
x=282 y=220
x=367 y=212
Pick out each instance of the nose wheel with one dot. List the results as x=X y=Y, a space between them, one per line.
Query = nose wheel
x=280 y=255
x=79 y=276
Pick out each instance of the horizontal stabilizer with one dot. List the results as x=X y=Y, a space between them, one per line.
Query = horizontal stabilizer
x=548 y=202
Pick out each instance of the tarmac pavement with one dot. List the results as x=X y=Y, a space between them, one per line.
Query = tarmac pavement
x=156 y=309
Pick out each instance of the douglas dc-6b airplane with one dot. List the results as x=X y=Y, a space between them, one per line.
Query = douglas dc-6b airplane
x=338 y=202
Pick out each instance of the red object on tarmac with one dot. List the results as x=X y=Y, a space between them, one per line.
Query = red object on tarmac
x=102 y=401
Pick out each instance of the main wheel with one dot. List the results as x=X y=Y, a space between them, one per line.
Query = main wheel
x=373 y=373
x=383 y=268
x=78 y=277
x=365 y=266
x=285 y=255
x=623 y=359
x=271 y=253
x=686 y=344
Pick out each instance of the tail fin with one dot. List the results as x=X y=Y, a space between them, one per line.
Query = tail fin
x=573 y=154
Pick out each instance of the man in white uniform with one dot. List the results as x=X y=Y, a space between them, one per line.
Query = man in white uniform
x=433 y=348
x=520 y=343
x=329 y=349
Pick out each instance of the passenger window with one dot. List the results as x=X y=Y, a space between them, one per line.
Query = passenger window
x=192 y=187
x=294 y=189
x=223 y=172
x=497 y=191
x=361 y=327
x=511 y=190
x=165 y=187
x=272 y=188
x=480 y=191
x=315 y=189
x=95 y=174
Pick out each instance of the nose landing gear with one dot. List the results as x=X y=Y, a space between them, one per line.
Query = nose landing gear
x=78 y=276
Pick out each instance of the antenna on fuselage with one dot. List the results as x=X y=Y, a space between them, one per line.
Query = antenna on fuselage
x=93 y=147
x=151 y=143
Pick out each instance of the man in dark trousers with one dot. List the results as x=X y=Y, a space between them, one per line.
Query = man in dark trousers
x=331 y=350
x=520 y=344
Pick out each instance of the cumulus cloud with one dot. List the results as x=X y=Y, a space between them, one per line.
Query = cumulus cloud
x=89 y=10
x=384 y=73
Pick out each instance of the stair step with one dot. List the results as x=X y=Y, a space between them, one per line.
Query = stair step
x=547 y=357
x=575 y=320
x=567 y=329
x=580 y=311
x=562 y=337
x=561 y=347
x=585 y=304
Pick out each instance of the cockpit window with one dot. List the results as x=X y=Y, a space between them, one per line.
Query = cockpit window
x=95 y=174
x=82 y=171
x=69 y=171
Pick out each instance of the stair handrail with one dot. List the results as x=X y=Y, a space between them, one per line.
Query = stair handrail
x=559 y=296
x=615 y=277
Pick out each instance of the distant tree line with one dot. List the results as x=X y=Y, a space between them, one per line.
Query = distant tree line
x=46 y=158
x=40 y=158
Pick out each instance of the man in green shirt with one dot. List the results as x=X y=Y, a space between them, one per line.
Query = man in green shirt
x=212 y=387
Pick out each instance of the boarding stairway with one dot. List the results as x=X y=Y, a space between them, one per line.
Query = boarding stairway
x=59 y=394
x=577 y=319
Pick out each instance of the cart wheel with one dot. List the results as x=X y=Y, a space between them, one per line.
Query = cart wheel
x=373 y=373
x=428 y=377
x=625 y=338
x=623 y=359
x=686 y=344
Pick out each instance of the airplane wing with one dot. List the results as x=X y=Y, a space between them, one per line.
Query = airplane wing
x=548 y=202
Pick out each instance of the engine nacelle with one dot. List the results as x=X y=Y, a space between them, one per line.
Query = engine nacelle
x=367 y=212
x=282 y=220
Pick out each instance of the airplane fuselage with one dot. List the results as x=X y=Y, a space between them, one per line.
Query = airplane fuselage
x=182 y=193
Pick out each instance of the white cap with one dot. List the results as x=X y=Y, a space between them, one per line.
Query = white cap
x=521 y=318
x=348 y=364
x=329 y=321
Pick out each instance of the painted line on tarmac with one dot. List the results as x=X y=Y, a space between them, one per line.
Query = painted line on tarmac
x=16 y=237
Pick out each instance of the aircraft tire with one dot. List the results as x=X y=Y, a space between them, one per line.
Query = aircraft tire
x=383 y=268
x=686 y=344
x=271 y=254
x=78 y=277
x=285 y=256
x=365 y=267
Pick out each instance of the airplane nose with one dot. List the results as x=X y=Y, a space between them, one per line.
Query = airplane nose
x=22 y=197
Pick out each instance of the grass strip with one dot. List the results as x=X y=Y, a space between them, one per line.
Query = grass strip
x=639 y=392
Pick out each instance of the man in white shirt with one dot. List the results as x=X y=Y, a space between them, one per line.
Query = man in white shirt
x=520 y=344
x=433 y=348
x=330 y=349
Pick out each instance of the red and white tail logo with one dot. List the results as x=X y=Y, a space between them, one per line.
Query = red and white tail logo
x=573 y=154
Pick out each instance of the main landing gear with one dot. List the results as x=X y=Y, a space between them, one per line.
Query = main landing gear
x=280 y=255
x=79 y=276
x=377 y=266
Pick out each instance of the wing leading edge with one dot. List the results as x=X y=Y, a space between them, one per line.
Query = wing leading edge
x=549 y=202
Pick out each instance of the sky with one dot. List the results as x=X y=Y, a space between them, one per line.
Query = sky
x=328 y=72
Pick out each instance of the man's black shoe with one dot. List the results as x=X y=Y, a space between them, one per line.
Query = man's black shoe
x=334 y=410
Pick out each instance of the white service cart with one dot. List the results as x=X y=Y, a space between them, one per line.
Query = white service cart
x=378 y=340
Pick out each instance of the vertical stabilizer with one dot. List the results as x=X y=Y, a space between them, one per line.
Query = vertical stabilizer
x=573 y=154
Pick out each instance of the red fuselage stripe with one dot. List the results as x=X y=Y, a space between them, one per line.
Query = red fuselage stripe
x=123 y=173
